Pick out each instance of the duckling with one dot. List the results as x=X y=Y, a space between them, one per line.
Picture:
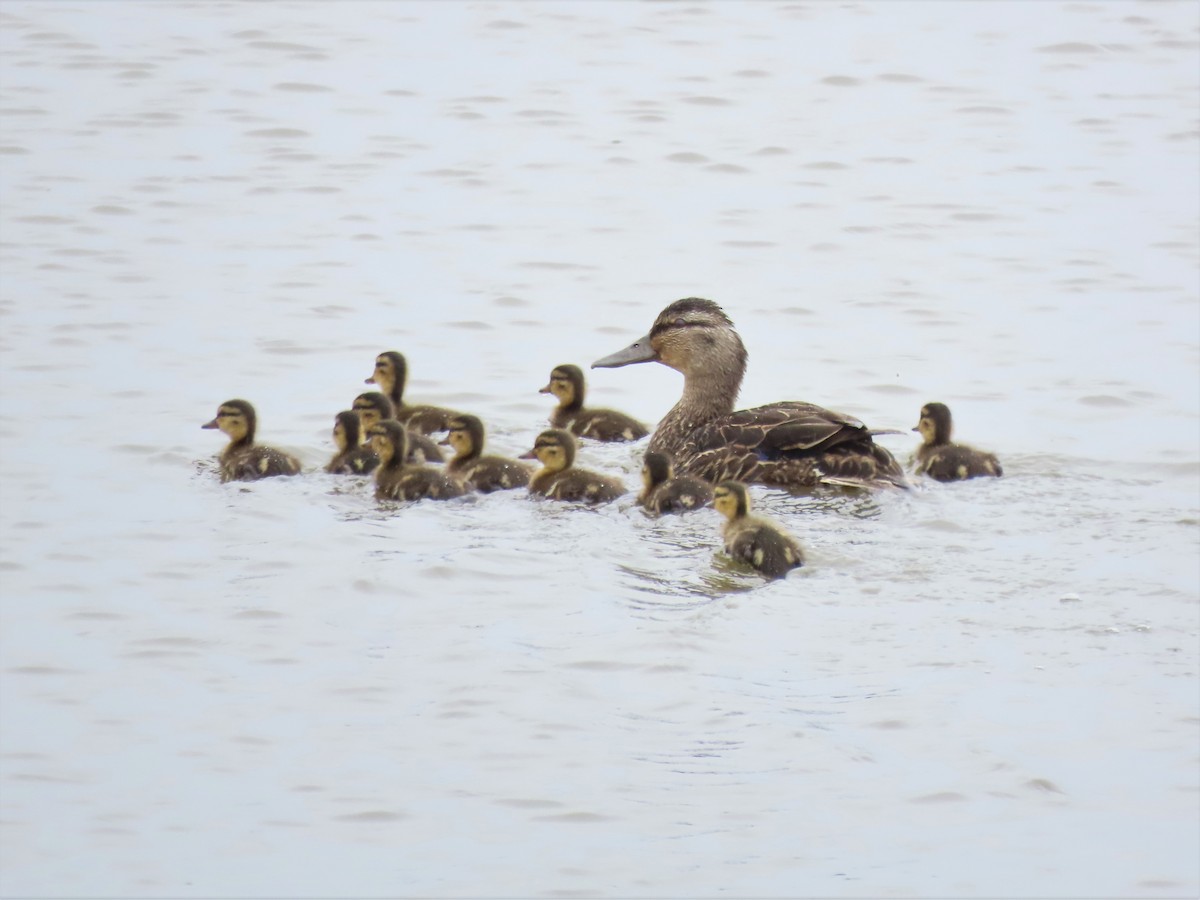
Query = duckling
x=558 y=480
x=942 y=460
x=391 y=374
x=566 y=383
x=397 y=480
x=471 y=468
x=665 y=492
x=352 y=458
x=374 y=407
x=754 y=539
x=242 y=459
x=788 y=444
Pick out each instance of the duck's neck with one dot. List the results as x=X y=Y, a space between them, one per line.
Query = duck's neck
x=706 y=396
x=234 y=447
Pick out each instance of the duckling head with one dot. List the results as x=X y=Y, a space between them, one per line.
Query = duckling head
x=373 y=407
x=465 y=435
x=691 y=335
x=731 y=499
x=656 y=468
x=347 y=430
x=391 y=372
x=389 y=440
x=554 y=449
x=935 y=424
x=566 y=383
x=237 y=419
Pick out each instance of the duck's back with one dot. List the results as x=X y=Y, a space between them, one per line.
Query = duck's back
x=789 y=444
x=603 y=425
x=679 y=494
x=956 y=462
x=253 y=463
x=579 y=485
x=425 y=419
x=354 y=461
x=763 y=546
x=416 y=483
x=491 y=473
x=422 y=449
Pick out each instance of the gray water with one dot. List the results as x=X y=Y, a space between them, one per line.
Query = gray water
x=985 y=689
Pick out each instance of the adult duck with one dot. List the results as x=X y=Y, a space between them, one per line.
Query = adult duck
x=567 y=384
x=940 y=458
x=788 y=444
x=242 y=459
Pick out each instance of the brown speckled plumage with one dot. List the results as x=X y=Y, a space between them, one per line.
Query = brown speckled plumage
x=942 y=460
x=787 y=444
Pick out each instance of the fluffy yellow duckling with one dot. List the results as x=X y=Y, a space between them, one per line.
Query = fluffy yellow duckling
x=559 y=480
x=754 y=539
x=397 y=480
x=242 y=459
x=352 y=457
x=471 y=468
x=391 y=374
x=374 y=407
x=942 y=460
x=567 y=384
x=665 y=492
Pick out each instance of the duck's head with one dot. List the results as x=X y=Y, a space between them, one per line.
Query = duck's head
x=389 y=440
x=554 y=449
x=935 y=424
x=656 y=468
x=237 y=419
x=347 y=430
x=731 y=499
x=690 y=335
x=373 y=407
x=390 y=373
x=465 y=435
x=566 y=383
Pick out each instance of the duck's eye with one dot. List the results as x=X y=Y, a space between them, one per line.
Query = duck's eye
x=681 y=322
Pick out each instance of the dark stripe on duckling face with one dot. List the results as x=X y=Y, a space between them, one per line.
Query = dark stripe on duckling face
x=935 y=424
x=465 y=434
x=389 y=440
x=731 y=499
x=555 y=444
x=236 y=418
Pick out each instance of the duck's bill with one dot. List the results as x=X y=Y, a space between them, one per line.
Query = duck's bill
x=213 y=424
x=639 y=351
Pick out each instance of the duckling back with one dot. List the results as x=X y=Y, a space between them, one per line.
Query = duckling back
x=353 y=461
x=489 y=473
x=763 y=545
x=677 y=495
x=415 y=483
x=956 y=462
x=253 y=463
x=578 y=485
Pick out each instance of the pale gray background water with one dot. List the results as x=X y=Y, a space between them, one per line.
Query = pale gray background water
x=985 y=689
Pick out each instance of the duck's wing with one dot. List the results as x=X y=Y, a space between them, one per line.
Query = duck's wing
x=771 y=552
x=787 y=444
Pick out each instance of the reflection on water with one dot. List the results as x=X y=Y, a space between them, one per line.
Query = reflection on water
x=208 y=689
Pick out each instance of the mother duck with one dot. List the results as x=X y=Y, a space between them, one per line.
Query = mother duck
x=788 y=444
